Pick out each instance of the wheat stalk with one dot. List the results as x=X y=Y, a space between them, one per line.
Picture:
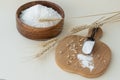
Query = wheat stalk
x=47 y=20
x=101 y=14
x=98 y=23
x=46 y=43
x=45 y=49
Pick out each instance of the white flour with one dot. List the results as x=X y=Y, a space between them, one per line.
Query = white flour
x=86 y=61
x=88 y=47
x=32 y=16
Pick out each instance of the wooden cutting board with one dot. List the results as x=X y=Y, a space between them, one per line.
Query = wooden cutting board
x=68 y=49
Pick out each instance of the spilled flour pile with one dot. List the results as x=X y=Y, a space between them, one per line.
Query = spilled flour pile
x=86 y=61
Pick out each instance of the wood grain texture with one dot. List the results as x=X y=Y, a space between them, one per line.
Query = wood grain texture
x=39 y=33
x=98 y=34
x=66 y=58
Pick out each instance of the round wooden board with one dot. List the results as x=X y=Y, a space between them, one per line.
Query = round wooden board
x=66 y=57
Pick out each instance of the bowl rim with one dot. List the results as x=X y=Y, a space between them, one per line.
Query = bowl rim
x=39 y=2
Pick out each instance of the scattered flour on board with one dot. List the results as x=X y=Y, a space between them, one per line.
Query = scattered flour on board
x=86 y=61
x=32 y=16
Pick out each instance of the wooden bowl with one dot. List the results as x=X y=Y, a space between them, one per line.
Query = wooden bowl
x=34 y=33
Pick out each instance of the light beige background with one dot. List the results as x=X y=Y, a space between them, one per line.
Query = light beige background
x=17 y=52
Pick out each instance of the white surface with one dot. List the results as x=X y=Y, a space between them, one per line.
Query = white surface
x=16 y=52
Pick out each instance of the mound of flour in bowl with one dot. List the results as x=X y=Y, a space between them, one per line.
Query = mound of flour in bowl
x=32 y=16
